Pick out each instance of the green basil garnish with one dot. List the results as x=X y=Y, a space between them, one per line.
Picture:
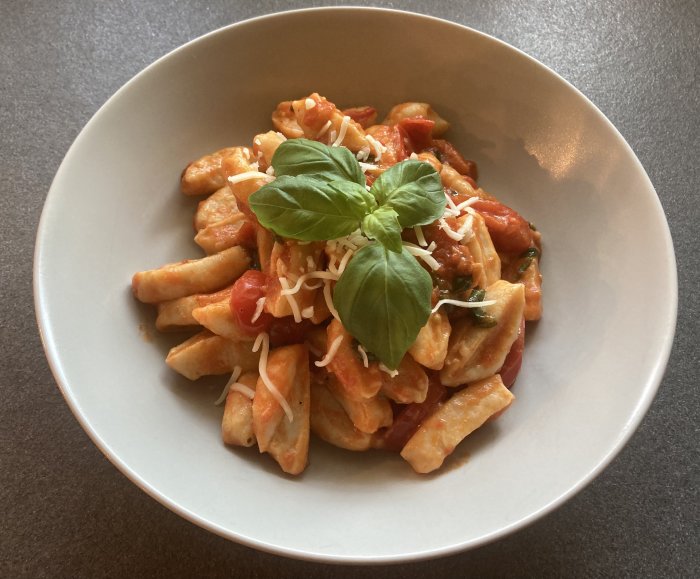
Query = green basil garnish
x=414 y=190
x=528 y=255
x=383 y=225
x=307 y=209
x=383 y=299
x=305 y=157
x=383 y=296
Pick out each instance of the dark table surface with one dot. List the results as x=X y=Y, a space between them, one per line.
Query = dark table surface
x=67 y=512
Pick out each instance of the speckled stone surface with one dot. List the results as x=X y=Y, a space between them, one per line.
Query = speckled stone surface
x=67 y=512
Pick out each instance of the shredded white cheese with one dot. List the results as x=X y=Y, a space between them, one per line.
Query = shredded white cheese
x=344 y=261
x=270 y=171
x=259 y=304
x=281 y=136
x=377 y=146
x=468 y=203
x=368 y=167
x=224 y=393
x=324 y=129
x=331 y=137
x=451 y=209
x=462 y=304
x=343 y=129
x=420 y=236
x=363 y=154
x=413 y=156
x=423 y=253
x=450 y=232
x=250 y=175
x=263 y=340
x=311 y=275
x=332 y=351
x=466 y=229
x=247 y=391
x=391 y=373
x=329 y=300
x=309 y=103
x=363 y=354
x=246 y=153
x=258 y=142
x=291 y=299
x=307 y=313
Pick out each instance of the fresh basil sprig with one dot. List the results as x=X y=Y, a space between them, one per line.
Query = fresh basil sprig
x=383 y=296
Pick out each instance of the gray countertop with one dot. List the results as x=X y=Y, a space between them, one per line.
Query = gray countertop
x=67 y=512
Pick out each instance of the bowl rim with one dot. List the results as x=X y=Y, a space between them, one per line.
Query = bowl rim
x=647 y=394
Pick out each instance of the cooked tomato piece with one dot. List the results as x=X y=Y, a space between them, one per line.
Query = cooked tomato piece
x=394 y=142
x=448 y=154
x=511 y=365
x=410 y=416
x=245 y=293
x=364 y=116
x=509 y=232
x=419 y=132
x=285 y=331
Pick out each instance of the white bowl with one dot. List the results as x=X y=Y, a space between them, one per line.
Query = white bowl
x=592 y=365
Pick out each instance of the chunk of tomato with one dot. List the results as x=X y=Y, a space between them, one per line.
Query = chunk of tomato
x=511 y=365
x=419 y=131
x=509 y=232
x=245 y=293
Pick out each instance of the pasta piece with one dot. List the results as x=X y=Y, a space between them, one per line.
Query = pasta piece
x=236 y=229
x=432 y=159
x=364 y=116
x=391 y=148
x=284 y=120
x=290 y=260
x=264 y=147
x=454 y=180
x=218 y=319
x=206 y=354
x=342 y=129
x=476 y=352
x=430 y=347
x=287 y=441
x=237 y=422
x=265 y=242
x=453 y=421
x=331 y=423
x=409 y=385
x=219 y=205
x=408 y=110
x=177 y=314
x=236 y=164
x=527 y=272
x=358 y=382
x=487 y=265
x=191 y=276
x=367 y=415
x=203 y=176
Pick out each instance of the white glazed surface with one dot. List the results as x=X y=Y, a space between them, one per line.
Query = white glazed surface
x=591 y=367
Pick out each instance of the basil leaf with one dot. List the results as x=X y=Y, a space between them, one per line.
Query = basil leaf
x=383 y=225
x=414 y=190
x=304 y=157
x=308 y=209
x=383 y=299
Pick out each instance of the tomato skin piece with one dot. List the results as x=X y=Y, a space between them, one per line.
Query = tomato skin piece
x=511 y=365
x=419 y=132
x=364 y=116
x=509 y=232
x=410 y=416
x=285 y=331
x=450 y=155
x=245 y=293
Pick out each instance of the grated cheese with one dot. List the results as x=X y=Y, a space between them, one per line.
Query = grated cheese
x=329 y=300
x=468 y=203
x=363 y=354
x=466 y=229
x=311 y=275
x=423 y=253
x=307 y=313
x=260 y=302
x=324 y=129
x=224 y=393
x=332 y=351
x=281 y=136
x=291 y=299
x=344 y=261
x=343 y=130
x=247 y=391
x=263 y=340
x=419 y=235
x=270 y=171
x=331 y=137
x=309 y=103
x=450 y=232
x=250 y=175
x=377 y=146
x=463 y=304
x=368 y=167
x=391 y=373
x=246 y=153
x=363 y=154
x=451 y=209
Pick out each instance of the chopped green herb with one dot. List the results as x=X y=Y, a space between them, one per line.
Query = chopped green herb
x=481 y=318
x=461 y=283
